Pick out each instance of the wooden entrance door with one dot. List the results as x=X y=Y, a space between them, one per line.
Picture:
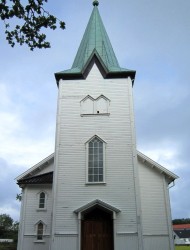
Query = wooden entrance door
x=97 y=231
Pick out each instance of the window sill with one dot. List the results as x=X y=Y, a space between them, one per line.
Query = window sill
x=39 y=241
x=95 y=183
x=97 y=114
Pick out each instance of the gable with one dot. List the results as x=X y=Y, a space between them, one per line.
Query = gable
x=43 y=167
x=149 y=163
x=97 y=203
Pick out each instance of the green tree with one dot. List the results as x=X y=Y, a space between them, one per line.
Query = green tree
x=31 y=18
x=181 y=221
x=19 y=197
x=6 y=222
x=8 y=227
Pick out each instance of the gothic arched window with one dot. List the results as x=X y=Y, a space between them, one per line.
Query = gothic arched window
x=40 y=231
x=42 y=200
x=96 y=160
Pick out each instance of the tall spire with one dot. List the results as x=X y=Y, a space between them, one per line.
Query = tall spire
x=95 y=42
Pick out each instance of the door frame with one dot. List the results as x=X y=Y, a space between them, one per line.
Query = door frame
x=104 y=216
x=102 y=205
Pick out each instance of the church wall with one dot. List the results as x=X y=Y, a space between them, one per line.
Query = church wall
x=30 y=244
x=69 y=241
x=155 y=209
x=127 y=241
x=32 y=215
x=156 y=242
x=73 y=131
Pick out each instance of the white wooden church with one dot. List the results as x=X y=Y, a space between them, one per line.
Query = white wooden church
x=96 y=191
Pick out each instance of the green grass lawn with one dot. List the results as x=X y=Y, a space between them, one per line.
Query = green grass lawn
x=182 y=248
x=7 y=246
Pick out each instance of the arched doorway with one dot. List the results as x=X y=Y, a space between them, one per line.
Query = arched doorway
x=97 y=230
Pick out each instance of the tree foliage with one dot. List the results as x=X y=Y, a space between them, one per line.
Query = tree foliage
x=181 y=221
x=19 y=197
x=31 y=19
x=8 y=227
x=6 y=221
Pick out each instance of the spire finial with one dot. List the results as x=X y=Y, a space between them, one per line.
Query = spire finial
x=95 y=3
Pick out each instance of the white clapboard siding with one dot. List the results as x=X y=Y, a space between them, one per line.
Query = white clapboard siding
x=34 y=215
x=73 y=131
x=153 y=203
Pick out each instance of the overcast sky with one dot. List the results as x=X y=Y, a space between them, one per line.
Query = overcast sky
x=151 y=37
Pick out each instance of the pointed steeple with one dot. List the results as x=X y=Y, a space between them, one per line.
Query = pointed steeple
x=96 y=40
x=95 y=44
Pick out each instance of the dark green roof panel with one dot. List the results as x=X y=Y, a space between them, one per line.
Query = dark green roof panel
x=96 y=38
x=96 y=42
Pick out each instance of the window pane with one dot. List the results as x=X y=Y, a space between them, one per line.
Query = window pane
x=90 y=178
x=95 y=164
x=95 y=157
x=90 y=164
x=100 y=171
x=42 y=200
x=100 y=177
x=40 y=231
x=95 y=178
x=96 y=171
x=100 y=164
x=95 y=161
x=100 y=157
x=96 y=151
x=90 y=170
x=90 y=150
x=90 y=157
x=41 y=205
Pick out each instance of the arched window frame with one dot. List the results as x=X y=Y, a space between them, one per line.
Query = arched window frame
x=42 y=200
x=40 y=231
x=88 y=167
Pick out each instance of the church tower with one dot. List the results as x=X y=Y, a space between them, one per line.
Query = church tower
x=96 y=176
x=96 y=192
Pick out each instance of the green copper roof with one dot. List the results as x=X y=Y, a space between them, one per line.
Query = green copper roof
x=96 y=39
x=95 y=42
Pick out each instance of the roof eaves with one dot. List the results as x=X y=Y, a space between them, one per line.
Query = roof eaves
x=35 y=167
x=170 y=174
x=46 y=178
x=107 y=73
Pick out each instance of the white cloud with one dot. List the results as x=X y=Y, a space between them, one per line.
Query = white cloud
x=155 y=45
x=11 y=209
x=164 y=153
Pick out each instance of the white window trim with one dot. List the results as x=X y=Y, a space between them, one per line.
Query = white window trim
x=36 y=232
x=38 y=200
x=94 y=100
x=104 y=162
